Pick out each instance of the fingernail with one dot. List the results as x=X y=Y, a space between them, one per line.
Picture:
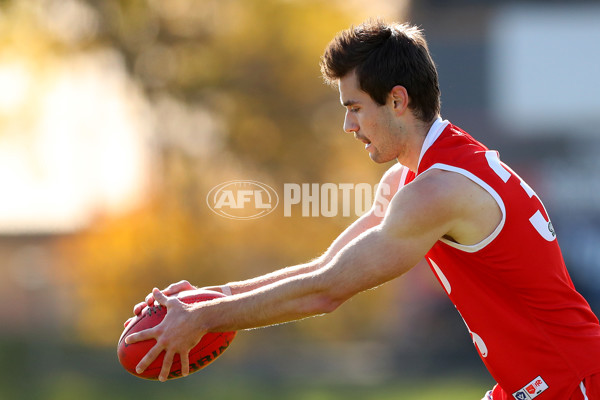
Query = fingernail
x=138 y=370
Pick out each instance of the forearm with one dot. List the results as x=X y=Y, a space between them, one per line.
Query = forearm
x=286 y=300
x=273 y=277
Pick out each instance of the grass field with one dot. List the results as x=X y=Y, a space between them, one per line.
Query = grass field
x=75 y=373
x=75 y=387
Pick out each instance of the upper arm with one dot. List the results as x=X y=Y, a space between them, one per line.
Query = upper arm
x=441 y=204
x=436 y=204
x=420 y=214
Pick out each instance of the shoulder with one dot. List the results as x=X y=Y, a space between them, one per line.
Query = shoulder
x=437 y=192
x=395 y=177
x=394 y=172
x=392 y=180
x=431 y=199
x=421 y=213
x=438 y=185
x=436 y=195
x=448 y=203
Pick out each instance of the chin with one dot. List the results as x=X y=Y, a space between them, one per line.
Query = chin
x=380 y=159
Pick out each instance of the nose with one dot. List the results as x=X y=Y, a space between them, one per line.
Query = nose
x=350 y=123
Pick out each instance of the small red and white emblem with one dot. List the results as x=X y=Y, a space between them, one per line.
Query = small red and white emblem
x=532 y=390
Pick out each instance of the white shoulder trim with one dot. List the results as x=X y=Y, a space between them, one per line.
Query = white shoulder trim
x=475 y=247
x=434 y=132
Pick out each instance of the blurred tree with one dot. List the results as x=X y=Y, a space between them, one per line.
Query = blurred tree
x=235 y=92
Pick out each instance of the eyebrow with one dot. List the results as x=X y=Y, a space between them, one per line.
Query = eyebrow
x=350 y=103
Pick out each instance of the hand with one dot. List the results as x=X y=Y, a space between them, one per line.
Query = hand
x=174 y=335
x=171 y=290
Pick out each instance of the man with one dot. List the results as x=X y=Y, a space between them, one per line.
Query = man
x=453 y=204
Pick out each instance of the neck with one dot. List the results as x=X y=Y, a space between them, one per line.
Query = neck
x=417 y=132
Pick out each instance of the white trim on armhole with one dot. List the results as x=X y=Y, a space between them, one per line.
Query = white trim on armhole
x=583 y=391
x=475 y=247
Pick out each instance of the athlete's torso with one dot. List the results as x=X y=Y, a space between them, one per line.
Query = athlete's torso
x=533 y=330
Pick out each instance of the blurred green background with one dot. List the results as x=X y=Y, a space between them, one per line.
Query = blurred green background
x=118 y=117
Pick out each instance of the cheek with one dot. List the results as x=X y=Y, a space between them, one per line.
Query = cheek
x=371 y=125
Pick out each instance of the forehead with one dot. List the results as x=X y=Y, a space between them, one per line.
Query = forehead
x=350 y=91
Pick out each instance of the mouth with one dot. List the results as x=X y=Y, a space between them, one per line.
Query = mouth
x=366 y=141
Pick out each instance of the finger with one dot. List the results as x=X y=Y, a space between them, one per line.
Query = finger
x=160 y=297
x=137 y=309
x=175 y=288
x=141 y=336
x=149 y=300
x=166 y=367
x=185 y=364
x=145 y=362
x=127 y=322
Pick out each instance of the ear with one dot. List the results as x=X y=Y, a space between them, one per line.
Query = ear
x=399 y=99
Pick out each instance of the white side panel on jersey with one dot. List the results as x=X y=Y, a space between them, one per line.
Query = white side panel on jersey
x=441 y=276
x=475 y=247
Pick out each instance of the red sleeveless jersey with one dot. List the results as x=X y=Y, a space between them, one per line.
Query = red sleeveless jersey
x=535 y=333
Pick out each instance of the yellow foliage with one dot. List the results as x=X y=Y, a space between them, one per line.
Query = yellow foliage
x=252 y=66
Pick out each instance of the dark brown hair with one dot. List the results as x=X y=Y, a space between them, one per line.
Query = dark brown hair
x=386 y=55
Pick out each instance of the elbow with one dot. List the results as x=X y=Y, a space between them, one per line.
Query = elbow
x=324 y=297
x=326 y=302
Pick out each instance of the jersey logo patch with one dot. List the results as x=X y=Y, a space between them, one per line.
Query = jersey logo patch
x=532 y=390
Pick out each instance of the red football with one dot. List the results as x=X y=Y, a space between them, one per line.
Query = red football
x=211 y=346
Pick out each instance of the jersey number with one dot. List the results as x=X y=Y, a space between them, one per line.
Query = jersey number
x=541 y=225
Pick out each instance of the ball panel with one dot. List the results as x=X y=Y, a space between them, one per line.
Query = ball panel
x=210 y=347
